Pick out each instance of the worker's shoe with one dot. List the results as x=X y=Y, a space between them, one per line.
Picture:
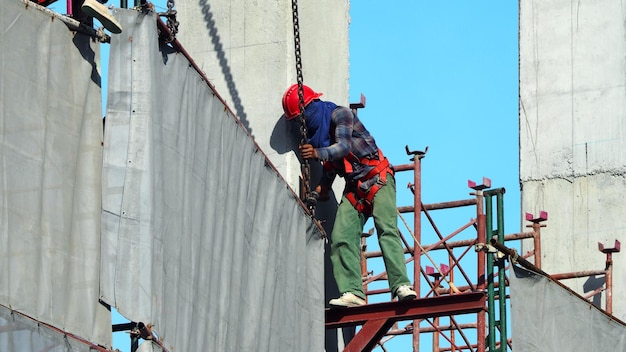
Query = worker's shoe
x=347 y=299
x=405 y=293
x=95 y=9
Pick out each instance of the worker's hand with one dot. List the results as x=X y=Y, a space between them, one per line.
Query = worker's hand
x=308 y=152
x=323 y=192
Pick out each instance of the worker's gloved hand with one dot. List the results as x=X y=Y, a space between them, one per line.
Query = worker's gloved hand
x=308 y=152
x=323 y=192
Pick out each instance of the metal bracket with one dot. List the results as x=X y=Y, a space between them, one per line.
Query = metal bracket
x=606 y=250
x=443 y=270
x=360 y=105
x=417 y=153
x=478 y=188
x=543 y=216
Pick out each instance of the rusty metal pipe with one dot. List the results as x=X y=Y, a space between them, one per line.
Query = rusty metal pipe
x=537 y=243
x=609 y=285
x=577 y=274
x=536 y=226
x=72 y=23
x=145 y=331
x=403 y=167
x=438 y=206
x=481 y=269
x=609 y=272
x=417 y=231
x=431 y=329
x=54 y=329
x=594 y=292
x=456 y=244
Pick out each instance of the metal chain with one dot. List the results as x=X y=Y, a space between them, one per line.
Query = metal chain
x=172 y=23
x=306 y=195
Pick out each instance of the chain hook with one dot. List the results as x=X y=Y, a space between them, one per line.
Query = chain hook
x=172 y=23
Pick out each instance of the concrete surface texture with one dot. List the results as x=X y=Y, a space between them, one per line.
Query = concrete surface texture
x=572 y=136
x=246 y=48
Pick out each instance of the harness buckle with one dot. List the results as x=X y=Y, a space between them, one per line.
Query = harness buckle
x=366 y=185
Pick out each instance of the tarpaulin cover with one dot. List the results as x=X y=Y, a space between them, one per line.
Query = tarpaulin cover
x=50 y=172
x=201 y=236
x=547 y=317
x=19 y=333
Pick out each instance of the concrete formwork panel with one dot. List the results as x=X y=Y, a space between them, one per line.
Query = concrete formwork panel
x=572 y=160
x=246 y=49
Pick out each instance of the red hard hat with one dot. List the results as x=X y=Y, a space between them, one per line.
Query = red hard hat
x=291 y=101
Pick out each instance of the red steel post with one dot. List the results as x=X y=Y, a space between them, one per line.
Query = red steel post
x=609 y=273
x=482 y=257
x=536 y=226
x=417 y=230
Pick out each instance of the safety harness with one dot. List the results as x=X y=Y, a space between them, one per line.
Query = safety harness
x=360 y=193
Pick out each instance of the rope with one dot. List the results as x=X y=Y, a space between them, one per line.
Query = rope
x=452 y=286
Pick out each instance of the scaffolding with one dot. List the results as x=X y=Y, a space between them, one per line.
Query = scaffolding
x=459 y=310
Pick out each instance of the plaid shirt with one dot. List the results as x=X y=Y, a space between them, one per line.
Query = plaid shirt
x=348 y=135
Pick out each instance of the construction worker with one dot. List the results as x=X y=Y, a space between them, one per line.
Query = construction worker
x=338 y=139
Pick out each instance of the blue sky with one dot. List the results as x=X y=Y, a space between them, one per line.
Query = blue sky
x=442 y=74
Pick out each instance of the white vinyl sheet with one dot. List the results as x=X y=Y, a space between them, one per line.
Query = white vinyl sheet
x=201 y=236
x=50 y=176
x=545 y=316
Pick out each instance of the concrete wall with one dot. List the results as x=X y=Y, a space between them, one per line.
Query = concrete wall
x=572 y=135
x=246 y=49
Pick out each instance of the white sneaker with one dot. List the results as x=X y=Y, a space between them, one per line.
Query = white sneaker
x=95 y=9
x=405 y=293
x=347 y=299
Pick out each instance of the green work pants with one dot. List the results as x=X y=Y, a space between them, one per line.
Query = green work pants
x=345 y=247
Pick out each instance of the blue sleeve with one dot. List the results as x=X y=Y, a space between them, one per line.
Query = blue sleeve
x=343 y=120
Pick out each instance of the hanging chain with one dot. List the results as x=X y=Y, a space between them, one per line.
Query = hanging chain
x=306 y=193
x=172 y=23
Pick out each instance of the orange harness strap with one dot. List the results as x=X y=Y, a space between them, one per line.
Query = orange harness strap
x=363 y=197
